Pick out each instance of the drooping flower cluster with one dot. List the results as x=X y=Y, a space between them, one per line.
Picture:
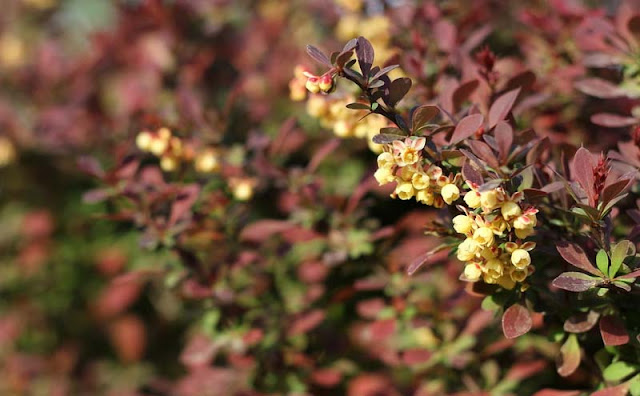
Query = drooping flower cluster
x=403 y=163
x=495 y=223
x=173 y=151
x=333 y=114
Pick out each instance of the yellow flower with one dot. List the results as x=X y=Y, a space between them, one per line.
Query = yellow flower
x=506 y=282
x=472 y=271
x=518 y=275
x=483 y=236
x=168 y=163
x=408 y=152
x=384 y=175
x=143 y=140
x=510 y=210
x=450 y=193
x=242 y=188
x=472 y=199
x=342 y=128
x=385 y=160
x=420 y=180
x=207 y=161
x=405 y=190
x=467 y=250
x=489 y=199
x=463 y=224
x=495 y=268
x=425 y=196
x=520 y=258
x=158 y=145
x=525 y=221
x=317 y=106
x=7 y=151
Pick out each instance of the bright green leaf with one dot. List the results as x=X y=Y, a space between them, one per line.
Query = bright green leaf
x=618 y=371
x=602 y=261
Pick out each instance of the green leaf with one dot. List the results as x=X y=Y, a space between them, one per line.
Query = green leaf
x=602 y=261
x=618 y=371
x=618 y=253
x=569 y=358
x=634 y=388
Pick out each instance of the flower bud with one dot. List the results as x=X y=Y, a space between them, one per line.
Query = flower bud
x=168 y=163
x=143 y=140
x=312 y=85
x=207 y=161
x=472 y=199
x=472 y=271
x=450 y=193
x=326 y=83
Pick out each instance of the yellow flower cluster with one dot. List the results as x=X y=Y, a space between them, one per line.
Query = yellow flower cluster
x=172 y=151
x=402 y=163
x=7 y=151
x=344 y=122
x=489 y=250
x=377 y=29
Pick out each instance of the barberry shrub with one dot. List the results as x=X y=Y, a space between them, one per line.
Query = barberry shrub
x=526 y=222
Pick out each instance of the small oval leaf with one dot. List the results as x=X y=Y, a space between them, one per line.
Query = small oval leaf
x=516 y=321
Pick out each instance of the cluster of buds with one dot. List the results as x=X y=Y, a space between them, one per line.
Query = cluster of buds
x=172 y=151
x=325 y=83
x=494 y=225
x=415 y=176
x=333 y=114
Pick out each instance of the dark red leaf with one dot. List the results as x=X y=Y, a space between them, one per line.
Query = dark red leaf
x=582 y=322
x=90 y=166
x=502 y=106
x=613 y=190
x=583 y=172
x=612 y=120
x=619 y=390
x=384 y=71
x=318 y=56
x=516 y=321
x=365 y=54
x=613 y=331
x=463 y=92
x=424 y=258
x=556 y=392
x=599 y=88
x=484 y=152
x=386 y=138
x=471 y=174
x=306 y=322
x=466 y=128
x=183 y=203
x=263 y=229
x=398 y=89
x=523 y=80
x=350 y=45
x=504 y=139
x=575 y=281
x=575 y=256
x=422 y=115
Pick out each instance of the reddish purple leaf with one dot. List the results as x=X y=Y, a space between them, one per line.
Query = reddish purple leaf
x=575 y=281
x=613 y=331
x=318 y=55
x=569 y=358
x=575 y=256
x=599 y=88
x=422 y=115
x=583 y=172
x=484 y=152
x=504 y=139
x=429 y=256
x=306 y=322
x=183 y=203
x=619 y=390
x=263 y=229
x=516 y=321
x=445 y=35
x=463 y=92
x=633 y=274
x=398 y=89
x=556 y=392
x=613 y=120
x=471 y=174
x=365 y=54
x=613 y=190
x=582 y=322
x=502 y=106
x=90 y=166
x=466 y=128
